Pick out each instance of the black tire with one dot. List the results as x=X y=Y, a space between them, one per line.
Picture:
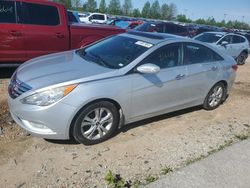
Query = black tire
x=86 y=113
x=208 y=103
x=241 y=59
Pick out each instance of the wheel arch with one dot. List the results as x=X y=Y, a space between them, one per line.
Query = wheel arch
x=117 y=105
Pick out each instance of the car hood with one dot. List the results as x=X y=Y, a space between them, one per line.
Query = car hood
x=59 y=68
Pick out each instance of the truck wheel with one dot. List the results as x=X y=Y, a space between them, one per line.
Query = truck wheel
x=96 y=123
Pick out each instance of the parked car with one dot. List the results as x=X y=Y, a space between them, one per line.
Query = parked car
x=233 y=44
x=73 y=17
x=126 y=24
x=247 y=35
x=164 y=27
x=94 y=18
x=206 y=28
x=30 y=29
x=87 y=94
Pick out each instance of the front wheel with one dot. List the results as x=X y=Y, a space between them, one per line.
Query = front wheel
x=96 y=123
x=215 y=96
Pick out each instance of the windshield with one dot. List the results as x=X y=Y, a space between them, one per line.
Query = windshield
x=115 y=52
x=208 y=37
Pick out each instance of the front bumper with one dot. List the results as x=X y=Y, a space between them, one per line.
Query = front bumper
x=50 y=122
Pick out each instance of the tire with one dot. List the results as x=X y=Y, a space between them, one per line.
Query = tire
x=241 y=59
x=215 y=96
x=96 y=123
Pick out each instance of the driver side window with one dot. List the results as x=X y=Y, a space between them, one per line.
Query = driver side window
x=166 y=56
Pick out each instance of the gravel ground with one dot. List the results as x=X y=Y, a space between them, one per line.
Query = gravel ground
x=144 y=149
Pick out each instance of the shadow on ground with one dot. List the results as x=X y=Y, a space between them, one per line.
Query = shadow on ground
x=135 y=125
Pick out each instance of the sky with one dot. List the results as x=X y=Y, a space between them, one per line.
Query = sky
x=194 y=9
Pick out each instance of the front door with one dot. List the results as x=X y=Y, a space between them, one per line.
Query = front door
x=161 y=92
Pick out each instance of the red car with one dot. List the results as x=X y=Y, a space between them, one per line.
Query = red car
x=33 y=28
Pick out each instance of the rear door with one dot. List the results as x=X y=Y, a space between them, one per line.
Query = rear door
x=203 y=69
x=239 y=45
x=45 y=28
x=11 y=34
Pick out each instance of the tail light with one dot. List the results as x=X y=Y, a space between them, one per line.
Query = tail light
x=235 y=67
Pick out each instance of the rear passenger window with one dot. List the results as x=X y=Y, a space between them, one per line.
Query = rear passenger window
x=39 y=14
x=238 y=39
x=195 y=53
x=165 y=57
x=7 y=12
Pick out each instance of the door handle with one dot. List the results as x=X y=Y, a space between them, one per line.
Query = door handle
x=180 y=76
x=214 y=68
x=60 y=35
x=15 y=33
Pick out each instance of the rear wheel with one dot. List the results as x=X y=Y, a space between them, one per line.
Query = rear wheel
x=96 y=123
x=241 y=59
x=215 y=96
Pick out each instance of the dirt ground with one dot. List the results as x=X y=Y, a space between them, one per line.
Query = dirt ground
x=141 y=150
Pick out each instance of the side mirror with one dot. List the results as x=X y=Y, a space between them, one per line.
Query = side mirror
x=224 y=43
x=148 y=68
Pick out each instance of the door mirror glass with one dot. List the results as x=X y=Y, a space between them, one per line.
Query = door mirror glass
x=224 y=43
x=148 y=69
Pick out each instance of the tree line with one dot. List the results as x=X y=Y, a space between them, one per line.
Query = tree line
x=154 y=10
x=150 y=10
x=211 y=21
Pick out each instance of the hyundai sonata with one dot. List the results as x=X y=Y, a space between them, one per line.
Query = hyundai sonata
x=87 y=94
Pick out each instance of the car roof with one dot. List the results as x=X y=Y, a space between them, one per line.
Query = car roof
x=153 y=38
x=217 y=32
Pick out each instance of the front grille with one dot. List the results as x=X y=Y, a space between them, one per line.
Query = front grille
x=17 y=88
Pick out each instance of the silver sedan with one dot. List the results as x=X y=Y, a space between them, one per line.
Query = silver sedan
x=87 y=94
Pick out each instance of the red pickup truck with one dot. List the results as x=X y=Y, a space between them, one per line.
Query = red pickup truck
x=33 y=28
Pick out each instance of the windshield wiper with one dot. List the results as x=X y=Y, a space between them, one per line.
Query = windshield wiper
x=100 y=60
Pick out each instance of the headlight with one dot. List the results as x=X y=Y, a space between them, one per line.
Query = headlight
x=48 y=97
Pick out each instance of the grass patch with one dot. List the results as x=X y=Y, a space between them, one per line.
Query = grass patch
x=151 y=178
x=165 y=170
x=241 y=137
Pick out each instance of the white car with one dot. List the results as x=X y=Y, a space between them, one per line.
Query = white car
x=233 y=44
x=93 y=18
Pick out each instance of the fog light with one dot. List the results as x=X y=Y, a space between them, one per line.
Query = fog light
x=37 y=127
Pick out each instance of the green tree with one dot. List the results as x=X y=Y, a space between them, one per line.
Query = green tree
x=103 y=7
x=127 y=8
x=76 y=4
x=155 y=10
x=172 y=11
x=183 y=18
x=136 y=13
x=165 y=11
x=200 y=21
x=84 y=7
x=114 y=7
x=146 y=10
x=91 y=5
x=66 y=3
